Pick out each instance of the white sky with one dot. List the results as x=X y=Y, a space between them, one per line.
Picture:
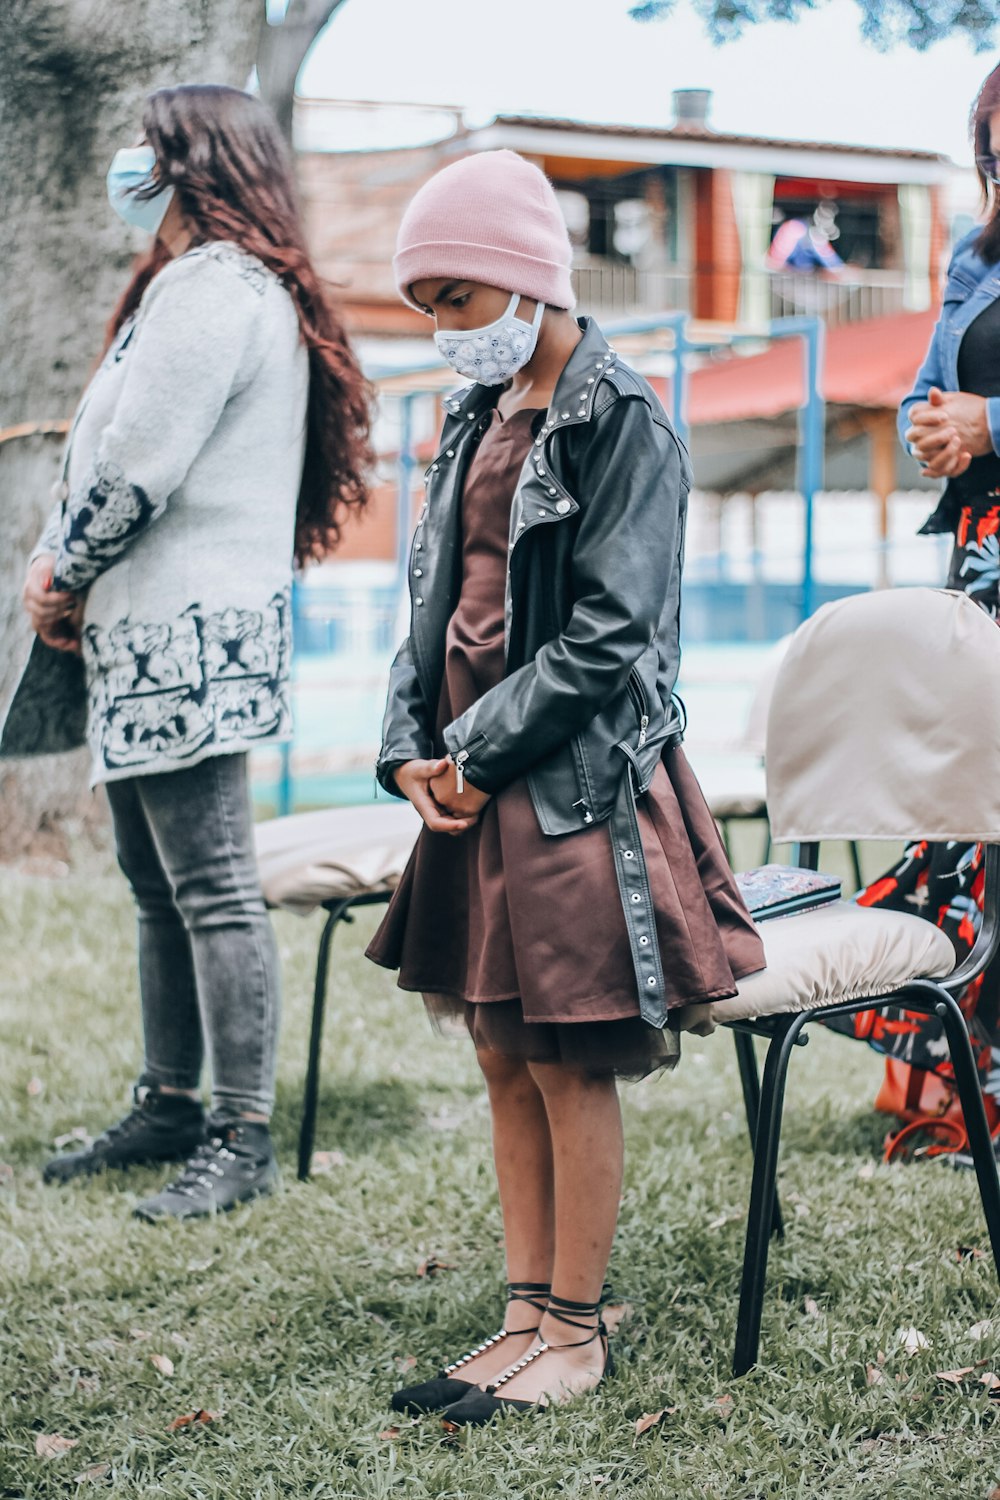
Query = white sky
x=587 y=59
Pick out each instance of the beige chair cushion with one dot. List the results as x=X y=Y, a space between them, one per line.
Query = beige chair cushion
x=313 y=857
x=838 y=953
x=734 y=785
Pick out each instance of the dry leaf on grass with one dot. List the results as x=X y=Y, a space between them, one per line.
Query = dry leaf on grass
x=652 y=1419
x=6 y=1175
x=163 y=1363
x=53 y=1444
x=991 y=1382
x=867 y=1172
x=874 y=1375
x=725 y=1219
x=389 y=1434
x=139 y=1334
x=811 y=1308
x=616 y=1314
x=326 y=1161
x=93 y=1475
x=431 y=1266
x=34 y=1087
x=912 y=1340
x=406 y=1364
x=725 y=1405
x=981 y=1330
x=79 y=1134
x=954 y=1377
x=193 y=1418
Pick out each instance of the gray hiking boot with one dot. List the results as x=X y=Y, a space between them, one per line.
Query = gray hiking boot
x=159 y=1127
x=235 y=1163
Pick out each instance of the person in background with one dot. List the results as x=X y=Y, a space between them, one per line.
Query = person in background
x=950 y=421
x=569 y=888
x=224 y=433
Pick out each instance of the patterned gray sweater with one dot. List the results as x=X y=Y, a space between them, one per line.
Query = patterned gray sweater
x=177 y=514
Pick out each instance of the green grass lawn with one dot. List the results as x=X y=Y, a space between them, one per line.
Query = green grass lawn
x=294 y=1319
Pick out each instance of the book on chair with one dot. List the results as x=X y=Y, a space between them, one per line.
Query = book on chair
x=782 y=890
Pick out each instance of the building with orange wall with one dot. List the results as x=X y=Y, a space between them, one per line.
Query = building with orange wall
x=677 y=218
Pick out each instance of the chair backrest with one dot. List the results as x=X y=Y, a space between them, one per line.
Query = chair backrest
x=754 y=737
x=885 y=722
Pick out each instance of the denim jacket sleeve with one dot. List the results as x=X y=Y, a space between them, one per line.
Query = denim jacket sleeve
x=931 y=372
x=624 y=558
x=993 y=418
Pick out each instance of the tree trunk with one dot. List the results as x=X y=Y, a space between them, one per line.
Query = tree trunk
x=73 y=76
x=283 y=50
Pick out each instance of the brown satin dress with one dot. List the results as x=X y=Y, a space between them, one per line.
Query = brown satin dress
x=520 y=935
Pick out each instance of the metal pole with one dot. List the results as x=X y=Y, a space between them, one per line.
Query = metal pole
x=812 y=436
x=678 y=390
x=813 y=431
x=404 y=487
x=286 y=790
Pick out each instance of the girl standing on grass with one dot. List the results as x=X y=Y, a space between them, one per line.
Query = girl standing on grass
x=569 y=889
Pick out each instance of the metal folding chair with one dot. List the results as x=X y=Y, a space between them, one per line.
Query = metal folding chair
x=884 y=724
x=336 y=859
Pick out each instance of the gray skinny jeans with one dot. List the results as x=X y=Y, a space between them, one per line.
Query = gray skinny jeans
x=208 y=960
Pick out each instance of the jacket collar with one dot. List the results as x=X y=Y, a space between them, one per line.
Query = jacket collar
x=573 y=401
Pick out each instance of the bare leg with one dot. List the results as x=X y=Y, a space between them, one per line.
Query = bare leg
x=585 y=1126
x=522 y=1155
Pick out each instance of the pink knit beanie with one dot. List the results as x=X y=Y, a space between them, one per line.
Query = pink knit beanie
x=491 y=218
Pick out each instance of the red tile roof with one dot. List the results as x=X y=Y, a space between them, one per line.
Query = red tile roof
x=870 y=363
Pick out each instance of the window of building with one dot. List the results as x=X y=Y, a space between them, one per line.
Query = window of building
x=630 y=219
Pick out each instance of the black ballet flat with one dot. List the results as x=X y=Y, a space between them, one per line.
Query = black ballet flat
x=477 y=1406
x=444 y=1389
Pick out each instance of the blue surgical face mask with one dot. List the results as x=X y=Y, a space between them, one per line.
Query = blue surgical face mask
x=132 y=168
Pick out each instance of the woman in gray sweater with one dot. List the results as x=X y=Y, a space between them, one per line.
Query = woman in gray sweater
x=224 y=433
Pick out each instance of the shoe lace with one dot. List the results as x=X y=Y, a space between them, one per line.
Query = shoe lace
x=131 y=1122
x=575 y=1315
x=208 y=1161
x=535 y=1293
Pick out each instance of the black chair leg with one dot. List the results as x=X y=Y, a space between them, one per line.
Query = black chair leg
x=763 y=1196
x=976 y=1125
x=859 y=879
x=307 y=1132
x=746 y=1057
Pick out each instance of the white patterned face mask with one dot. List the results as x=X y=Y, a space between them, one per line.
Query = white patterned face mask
x=492 y=354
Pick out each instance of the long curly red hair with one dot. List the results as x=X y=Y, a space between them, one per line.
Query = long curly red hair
x=222 y=152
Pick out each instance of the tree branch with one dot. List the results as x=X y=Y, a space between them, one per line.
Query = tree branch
x=919 y=23
x=282 y=51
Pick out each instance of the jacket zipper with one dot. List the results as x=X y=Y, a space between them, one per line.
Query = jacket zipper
x=460 y=760
x=638 y=697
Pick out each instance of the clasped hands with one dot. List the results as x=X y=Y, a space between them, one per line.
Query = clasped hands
x=55 y=616
x=432 y=787
x=947 y=431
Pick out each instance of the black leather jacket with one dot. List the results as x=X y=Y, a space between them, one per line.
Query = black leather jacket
x=585 y=708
